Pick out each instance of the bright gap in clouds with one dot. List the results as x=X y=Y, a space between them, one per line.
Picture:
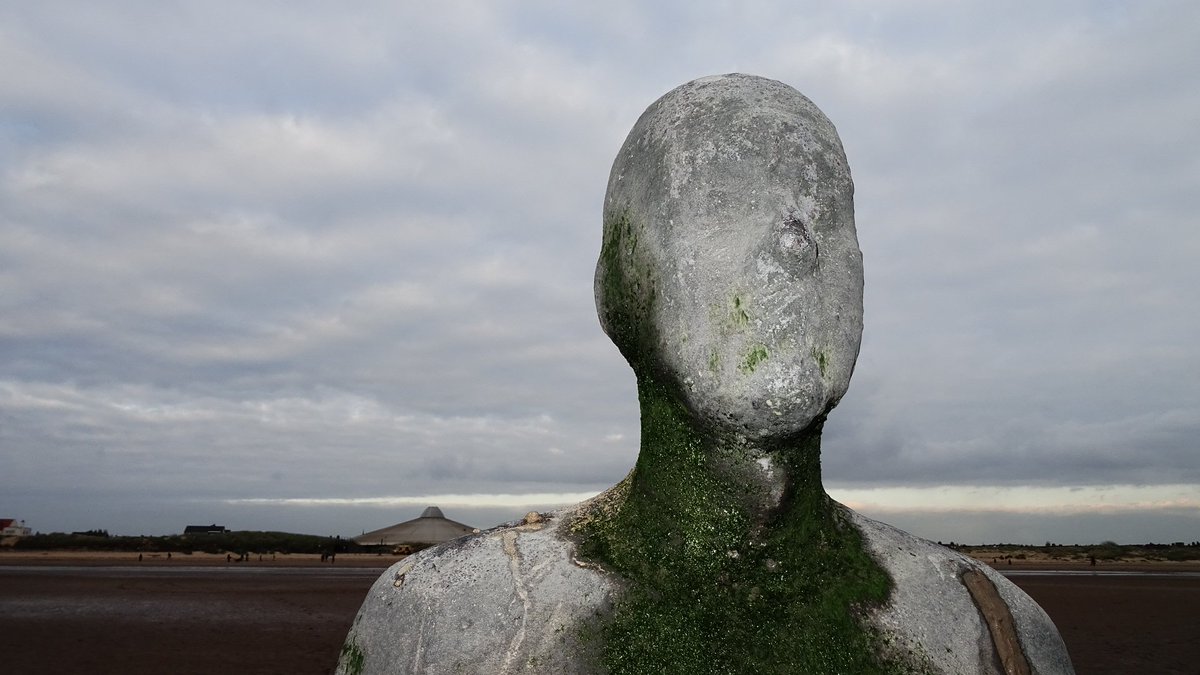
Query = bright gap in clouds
x=1077 y=500
x=540 y=499
x=1088 y=499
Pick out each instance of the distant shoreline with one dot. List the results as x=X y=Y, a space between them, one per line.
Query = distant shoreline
x=1034 y=559
x=1156 y=566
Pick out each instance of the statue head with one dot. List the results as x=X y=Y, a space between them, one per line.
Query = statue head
x=730 y=266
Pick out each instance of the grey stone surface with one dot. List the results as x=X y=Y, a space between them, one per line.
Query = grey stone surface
x=509 y=600
x=742 y=247
x=931 y=614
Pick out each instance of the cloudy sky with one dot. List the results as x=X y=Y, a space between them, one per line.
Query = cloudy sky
x=284 y=266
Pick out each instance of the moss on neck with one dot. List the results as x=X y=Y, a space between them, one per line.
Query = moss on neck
x=717 y=586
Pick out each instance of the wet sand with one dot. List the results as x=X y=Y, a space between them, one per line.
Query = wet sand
x=185 y=619
x=110 y=614
x=1117 y=624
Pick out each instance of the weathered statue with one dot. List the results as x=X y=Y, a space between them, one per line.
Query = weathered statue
x=731 y=280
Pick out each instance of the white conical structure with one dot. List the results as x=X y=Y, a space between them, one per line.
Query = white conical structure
x=430 y=528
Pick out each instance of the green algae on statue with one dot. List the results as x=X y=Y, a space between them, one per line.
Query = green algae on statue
x=717 y=582
x=730 y=278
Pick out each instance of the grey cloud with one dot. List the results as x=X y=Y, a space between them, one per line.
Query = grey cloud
x=328 y=254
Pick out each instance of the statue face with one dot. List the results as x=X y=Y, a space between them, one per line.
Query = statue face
x=730 y=263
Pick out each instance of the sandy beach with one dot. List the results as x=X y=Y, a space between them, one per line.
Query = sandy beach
x=110 y=613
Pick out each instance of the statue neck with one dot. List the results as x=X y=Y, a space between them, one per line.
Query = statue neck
x=731 y=552
x=713 y=489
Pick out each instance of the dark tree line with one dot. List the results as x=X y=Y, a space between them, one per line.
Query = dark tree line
x=215 y=542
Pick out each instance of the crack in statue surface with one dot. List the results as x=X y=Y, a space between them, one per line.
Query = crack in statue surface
x=514 y=565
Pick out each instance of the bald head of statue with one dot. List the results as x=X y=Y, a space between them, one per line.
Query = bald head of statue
x=730 y=267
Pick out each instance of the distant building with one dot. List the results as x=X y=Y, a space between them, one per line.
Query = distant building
x=430 y=528
x=204 y=529
x=10 y=528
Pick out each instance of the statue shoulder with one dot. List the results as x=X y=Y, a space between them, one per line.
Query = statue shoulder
x=942 y=600
x=510 y=599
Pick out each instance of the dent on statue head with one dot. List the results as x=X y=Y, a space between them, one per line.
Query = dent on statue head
x=730 y=266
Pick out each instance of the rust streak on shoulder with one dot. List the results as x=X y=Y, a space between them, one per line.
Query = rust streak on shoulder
x=999 y=622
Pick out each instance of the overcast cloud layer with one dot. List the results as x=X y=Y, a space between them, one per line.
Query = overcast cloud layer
x=286 y=267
